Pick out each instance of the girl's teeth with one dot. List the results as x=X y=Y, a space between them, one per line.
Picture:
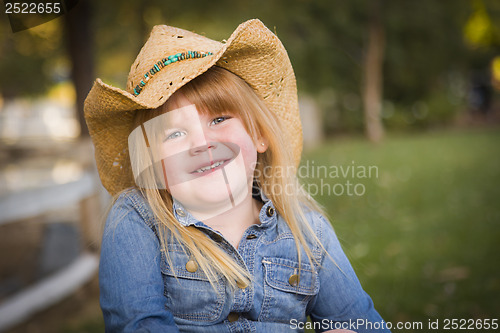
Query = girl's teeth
x=215 y=165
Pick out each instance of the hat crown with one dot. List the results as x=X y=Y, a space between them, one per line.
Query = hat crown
x=165 y=41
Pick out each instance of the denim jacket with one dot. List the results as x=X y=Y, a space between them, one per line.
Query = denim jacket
x=141 y=292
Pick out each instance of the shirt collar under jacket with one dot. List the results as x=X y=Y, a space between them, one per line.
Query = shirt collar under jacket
x=267 y=215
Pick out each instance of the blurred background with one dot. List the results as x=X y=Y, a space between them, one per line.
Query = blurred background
x=410 y=88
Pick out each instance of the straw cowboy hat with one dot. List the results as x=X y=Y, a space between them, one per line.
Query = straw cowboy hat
x=171 y=58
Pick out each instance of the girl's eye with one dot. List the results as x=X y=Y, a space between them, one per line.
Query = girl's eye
x=219 y=120
x=174 y=135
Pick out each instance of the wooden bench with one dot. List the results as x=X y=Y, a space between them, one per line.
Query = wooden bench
x=22 y=205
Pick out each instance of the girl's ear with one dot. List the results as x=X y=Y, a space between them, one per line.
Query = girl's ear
x=262 y=145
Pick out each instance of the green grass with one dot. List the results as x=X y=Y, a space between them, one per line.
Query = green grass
x=424 y=238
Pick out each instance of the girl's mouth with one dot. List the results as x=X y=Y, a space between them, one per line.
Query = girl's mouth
x=212 y=167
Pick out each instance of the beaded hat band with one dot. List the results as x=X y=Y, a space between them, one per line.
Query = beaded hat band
x=170 y=58
x=165 y=62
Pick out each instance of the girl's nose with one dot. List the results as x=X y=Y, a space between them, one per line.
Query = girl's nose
x=199 y=142
x=201 y=149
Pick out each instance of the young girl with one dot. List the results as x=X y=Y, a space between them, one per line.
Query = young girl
x=210 y=230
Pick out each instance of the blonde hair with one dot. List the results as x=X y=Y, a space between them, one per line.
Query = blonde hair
x=217 y=92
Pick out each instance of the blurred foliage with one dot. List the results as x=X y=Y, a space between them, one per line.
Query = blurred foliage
x=31 y=60
x=426 y=42
x=479 y=31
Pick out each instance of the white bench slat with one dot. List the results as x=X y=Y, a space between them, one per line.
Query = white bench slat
x=33 y=202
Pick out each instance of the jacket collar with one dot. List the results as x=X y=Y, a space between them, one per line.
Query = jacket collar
x=267 y=214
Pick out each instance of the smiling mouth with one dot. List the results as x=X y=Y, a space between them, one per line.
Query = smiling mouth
x=210 y=167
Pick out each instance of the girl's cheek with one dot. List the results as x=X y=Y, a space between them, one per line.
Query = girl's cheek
x=171 y=148
x=249 y=154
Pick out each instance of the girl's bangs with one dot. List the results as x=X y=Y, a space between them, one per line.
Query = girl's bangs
x=214 y=92
x=219 y=92
x=210 y=102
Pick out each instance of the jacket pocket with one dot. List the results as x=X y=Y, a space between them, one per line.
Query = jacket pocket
x=287 y=289
x=189 y=294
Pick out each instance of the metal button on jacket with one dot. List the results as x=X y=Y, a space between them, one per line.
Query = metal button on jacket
x=180 y=212
x=251 y=236
x=191 y=266
x=294 y=280
x=233 y=316
x=270 y=211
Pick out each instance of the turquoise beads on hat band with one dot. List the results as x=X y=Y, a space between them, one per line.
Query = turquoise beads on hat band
x=165 y=62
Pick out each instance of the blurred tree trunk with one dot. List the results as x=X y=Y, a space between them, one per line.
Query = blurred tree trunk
x=373 y=76
x=143 y=27
x=79 y=42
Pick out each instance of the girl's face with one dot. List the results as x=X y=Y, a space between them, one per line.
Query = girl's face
x=208 y=161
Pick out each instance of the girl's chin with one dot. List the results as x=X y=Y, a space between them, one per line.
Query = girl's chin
x=206 y=199
x=209 y=198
